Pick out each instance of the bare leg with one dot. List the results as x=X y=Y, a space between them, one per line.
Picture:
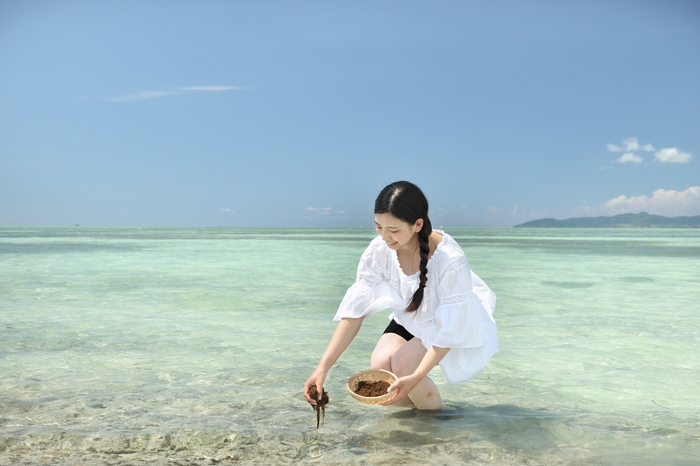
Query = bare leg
x=388 y=344
x=386 y=347
x=405 y=361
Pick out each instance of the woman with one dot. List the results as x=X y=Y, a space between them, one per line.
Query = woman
x=442 y=310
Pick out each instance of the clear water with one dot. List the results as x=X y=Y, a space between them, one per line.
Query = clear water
x=190 y=346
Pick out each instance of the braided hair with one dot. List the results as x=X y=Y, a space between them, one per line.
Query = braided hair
x=405 y=201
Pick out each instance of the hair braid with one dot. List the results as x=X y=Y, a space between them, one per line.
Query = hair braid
x=424 y=245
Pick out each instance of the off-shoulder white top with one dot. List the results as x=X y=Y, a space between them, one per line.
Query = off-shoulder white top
x=456 y=312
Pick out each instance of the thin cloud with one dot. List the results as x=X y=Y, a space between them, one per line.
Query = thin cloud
x=320 y=210
x=526 y=212
x=214 y=88
x=323 y=213
x=672 y=155
x=157 y=94
x=143 y=95
x=630 y=145
x=661 y=202
x=630 y=157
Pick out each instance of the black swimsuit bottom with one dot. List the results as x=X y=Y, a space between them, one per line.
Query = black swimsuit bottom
x=394 y=327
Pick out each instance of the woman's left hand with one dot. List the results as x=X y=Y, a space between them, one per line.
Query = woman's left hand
x=403 y=387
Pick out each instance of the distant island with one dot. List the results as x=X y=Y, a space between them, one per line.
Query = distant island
x=640 y=220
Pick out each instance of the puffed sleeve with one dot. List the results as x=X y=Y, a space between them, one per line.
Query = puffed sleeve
x=371 y=292
x=462 y=318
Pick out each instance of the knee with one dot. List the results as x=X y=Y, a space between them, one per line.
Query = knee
x=380 y=360
x=400 y=365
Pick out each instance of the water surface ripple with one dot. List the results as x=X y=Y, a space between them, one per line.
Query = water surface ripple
x=190 y=346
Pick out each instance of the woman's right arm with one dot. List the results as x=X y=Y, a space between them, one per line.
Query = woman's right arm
x=343 y=335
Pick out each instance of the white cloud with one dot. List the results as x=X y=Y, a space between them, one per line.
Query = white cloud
x=630 y=157
x=213 y=88
x=587 y=210
x=672 y=155
x=524 y=212
x=227 y=210
x=630 y=145
x=662 y=202
x=147 y=95
x=143 y=95
x=320 y=210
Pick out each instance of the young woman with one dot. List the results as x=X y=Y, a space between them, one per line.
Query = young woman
x=442 y=310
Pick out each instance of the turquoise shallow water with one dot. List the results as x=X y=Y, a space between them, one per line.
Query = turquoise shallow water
x=190 y=346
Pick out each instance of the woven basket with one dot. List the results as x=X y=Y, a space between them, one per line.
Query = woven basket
x=372 y=375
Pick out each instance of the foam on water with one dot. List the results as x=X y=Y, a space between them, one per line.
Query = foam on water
x=191 y=345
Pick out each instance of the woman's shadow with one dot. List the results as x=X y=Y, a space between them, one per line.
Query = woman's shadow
x=508 y=426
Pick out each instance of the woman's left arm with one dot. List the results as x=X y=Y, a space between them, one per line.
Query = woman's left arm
x=407 y=383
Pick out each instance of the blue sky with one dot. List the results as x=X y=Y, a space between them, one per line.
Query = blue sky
x=213 y=113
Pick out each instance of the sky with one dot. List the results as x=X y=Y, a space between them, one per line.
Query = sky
x=297 y=113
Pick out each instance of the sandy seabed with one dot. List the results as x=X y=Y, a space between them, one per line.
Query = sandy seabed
x=191 y=448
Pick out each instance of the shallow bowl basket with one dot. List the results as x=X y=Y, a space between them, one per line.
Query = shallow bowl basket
x=372 y=375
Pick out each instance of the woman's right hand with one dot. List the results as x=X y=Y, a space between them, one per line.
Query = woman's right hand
x=316 y=379
x=342 y=337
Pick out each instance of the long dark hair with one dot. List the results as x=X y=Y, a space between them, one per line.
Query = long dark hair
x=405 y=201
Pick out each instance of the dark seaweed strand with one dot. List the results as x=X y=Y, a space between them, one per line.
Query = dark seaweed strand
x=320 y=407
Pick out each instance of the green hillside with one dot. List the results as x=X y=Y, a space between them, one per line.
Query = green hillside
x=641 y=220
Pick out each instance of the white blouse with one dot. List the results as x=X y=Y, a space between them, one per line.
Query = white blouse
x=456 y=311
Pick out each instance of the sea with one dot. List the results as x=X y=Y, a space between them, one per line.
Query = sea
x=190 y=346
